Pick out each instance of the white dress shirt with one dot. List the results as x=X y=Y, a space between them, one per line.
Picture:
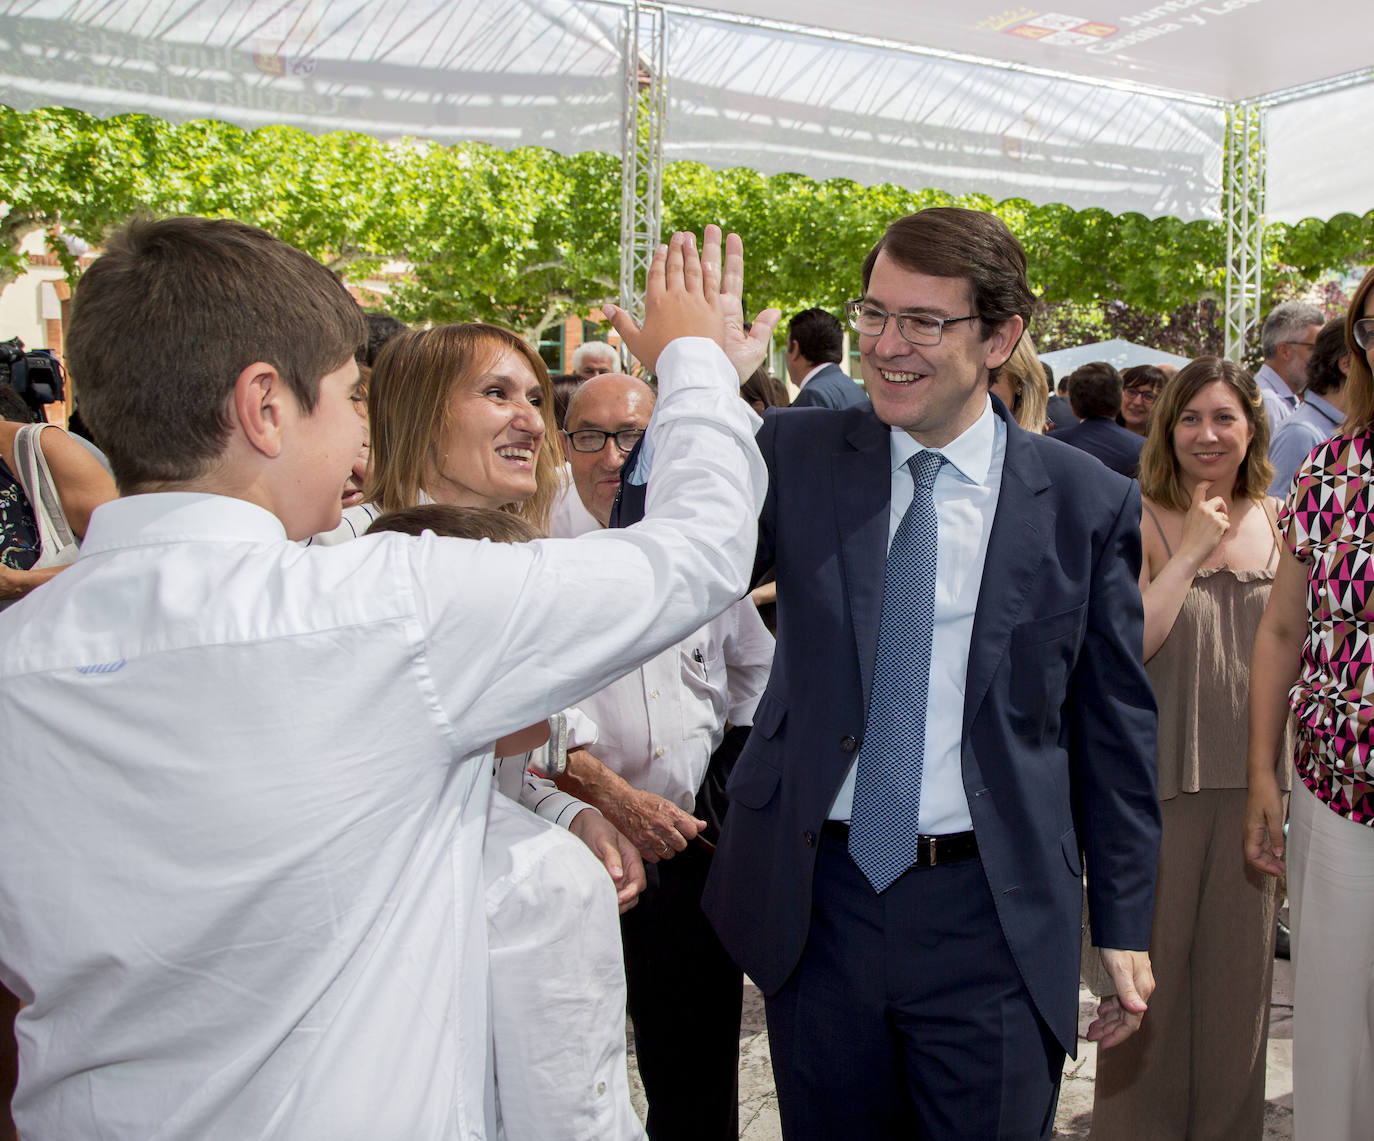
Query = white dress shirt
x=243 y=785
x=513 y=778
x=966 y=493
x=658 y=725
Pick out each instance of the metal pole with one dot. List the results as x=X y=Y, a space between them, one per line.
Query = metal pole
x=642 y=126
x=1243 y=207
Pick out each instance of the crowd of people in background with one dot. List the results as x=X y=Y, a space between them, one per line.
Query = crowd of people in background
x=368 y=756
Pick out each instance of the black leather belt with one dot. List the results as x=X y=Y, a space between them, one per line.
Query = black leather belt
x=930 y=850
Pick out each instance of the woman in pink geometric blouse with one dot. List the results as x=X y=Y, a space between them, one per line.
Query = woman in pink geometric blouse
x=1314 y=653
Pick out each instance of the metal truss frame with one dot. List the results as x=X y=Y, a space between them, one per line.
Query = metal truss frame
x=644 y=118
x=1242 y=206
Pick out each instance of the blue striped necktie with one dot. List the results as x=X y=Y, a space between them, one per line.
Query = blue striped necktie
x=884 y=822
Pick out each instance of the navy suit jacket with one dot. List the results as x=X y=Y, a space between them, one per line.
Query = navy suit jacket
x=1059 y=717
x=830 y=388
x=1117 y=447
x=1059 y=412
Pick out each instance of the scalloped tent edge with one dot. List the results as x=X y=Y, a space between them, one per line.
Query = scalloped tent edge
x=1131 y=111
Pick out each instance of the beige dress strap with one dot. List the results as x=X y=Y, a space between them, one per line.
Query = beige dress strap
x=1270 y=514
x=1168 y=550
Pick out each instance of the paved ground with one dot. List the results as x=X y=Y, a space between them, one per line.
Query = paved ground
x=759 y=1106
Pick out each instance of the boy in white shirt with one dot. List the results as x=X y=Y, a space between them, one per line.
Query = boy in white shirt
x=240 y=868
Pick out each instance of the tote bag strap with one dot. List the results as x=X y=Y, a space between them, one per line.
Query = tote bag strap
x=59 y=541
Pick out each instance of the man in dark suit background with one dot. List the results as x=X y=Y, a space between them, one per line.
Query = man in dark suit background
x=815 y=347
x=1095 y=393
x=1059 y=411
x=957 y=714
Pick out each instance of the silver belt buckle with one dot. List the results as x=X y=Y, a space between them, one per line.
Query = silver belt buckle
x=930 y=859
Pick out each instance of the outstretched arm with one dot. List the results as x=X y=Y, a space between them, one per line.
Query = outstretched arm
x=723 y=278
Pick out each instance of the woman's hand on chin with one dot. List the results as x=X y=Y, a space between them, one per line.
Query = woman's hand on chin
x=1204 y=524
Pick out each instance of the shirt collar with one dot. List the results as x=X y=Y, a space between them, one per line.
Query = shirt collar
x=1270 y=379
x=1325 y=407
x=809 y=375
x=970 y=452
x=174 y=516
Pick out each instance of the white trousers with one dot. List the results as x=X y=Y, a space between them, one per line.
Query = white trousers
x=557 y=984
x=1331 y=897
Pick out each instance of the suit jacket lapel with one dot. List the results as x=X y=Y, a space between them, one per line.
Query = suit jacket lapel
x=1021 y=530
x=862 y=492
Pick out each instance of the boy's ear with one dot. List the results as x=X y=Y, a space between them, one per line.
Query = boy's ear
x=260 y=406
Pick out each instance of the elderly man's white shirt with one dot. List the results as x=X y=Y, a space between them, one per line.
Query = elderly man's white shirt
x=243 y=785
x=658 y=725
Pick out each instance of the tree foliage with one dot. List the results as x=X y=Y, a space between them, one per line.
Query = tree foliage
x=528 y=237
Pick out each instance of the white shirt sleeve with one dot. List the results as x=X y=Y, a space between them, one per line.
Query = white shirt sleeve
x=582 y=730
x=598 y=605
x=748 y=649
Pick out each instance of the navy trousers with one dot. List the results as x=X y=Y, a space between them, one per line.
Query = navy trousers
x=684 y=997
x=906 y=1017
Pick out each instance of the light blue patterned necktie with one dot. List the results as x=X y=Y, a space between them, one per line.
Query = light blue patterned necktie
x=884 y=822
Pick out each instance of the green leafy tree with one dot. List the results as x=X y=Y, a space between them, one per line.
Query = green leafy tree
x=524 y=238
x=64 y=167
x=528 y=237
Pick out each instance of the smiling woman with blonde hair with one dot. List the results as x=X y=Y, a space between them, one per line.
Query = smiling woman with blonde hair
x=463 y=415
x=1196 y=1068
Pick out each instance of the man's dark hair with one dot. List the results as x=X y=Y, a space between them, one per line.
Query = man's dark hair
x=381 y=327
x=1324 y=365
x=819 y=336
x=948 y=241
x=167 y=318
x=15 y=408
x=1049 y=379
x=456 y=523
x=1095 y=390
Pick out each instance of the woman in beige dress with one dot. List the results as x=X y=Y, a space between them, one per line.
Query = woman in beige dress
x=1196 y=1067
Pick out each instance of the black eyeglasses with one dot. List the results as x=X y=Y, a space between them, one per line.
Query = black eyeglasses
x=1363 y=330
x=1148 y=395
x=593 y=439
x=915 y=328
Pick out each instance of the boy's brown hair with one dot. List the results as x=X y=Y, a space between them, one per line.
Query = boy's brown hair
x=167 y=318
x=456 y=523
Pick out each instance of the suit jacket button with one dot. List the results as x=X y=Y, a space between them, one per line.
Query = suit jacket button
x=848 y=744
x=810 y=838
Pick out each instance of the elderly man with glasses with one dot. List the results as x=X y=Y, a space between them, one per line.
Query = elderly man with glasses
x=1287 y=338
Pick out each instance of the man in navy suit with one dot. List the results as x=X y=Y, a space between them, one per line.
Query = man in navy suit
x=937 y=1000
x=815 y=347
x=1095 y=393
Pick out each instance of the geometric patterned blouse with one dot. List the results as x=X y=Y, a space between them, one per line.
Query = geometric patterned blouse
x=1328 y=523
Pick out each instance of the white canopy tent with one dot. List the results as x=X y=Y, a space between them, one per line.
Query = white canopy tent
x=1117 y=353
x=1129 y=108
